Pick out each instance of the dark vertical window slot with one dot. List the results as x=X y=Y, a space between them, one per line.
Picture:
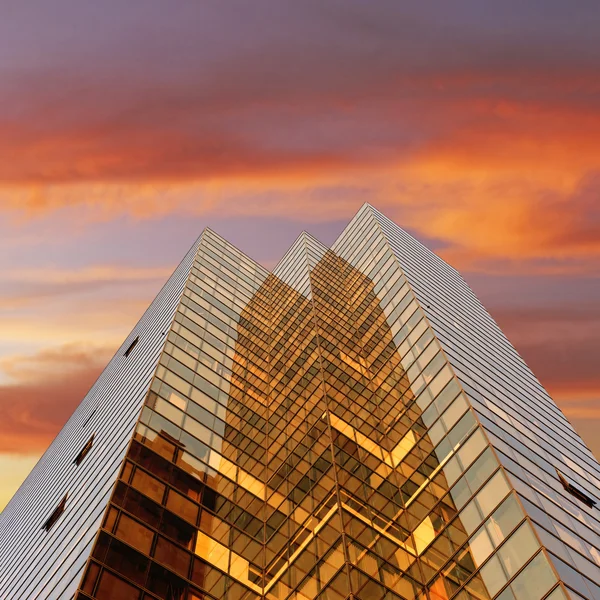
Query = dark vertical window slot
x=88 y=419
x=83 y=452
x=59 y=510
x=574 y=491
x=132 y=346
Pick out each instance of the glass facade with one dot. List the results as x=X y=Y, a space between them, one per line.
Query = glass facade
x=350 y=425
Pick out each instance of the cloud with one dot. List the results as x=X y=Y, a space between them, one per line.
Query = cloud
x=47 y=363
x=347 y=86
x=25 y=285
x=559 y=344
x=62 y=302
x=42 y=391
x=68 y=320
x=91 y=274
x=480 y=129
x=500 y=187
x=440 y=121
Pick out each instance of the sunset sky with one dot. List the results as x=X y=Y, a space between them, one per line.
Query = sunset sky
x=128 y=127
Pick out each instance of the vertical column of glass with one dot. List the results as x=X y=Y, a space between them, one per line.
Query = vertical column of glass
x=248 y=434
x=293 y=268
x=330 y=326
x=391 y=557
x=366 y=503
x=300 y=552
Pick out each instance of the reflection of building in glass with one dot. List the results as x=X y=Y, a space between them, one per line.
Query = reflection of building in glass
x=353 y=424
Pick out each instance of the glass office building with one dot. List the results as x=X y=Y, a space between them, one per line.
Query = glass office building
x=352 y=424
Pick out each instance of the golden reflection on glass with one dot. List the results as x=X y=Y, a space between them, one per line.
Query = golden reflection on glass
x=311 y=445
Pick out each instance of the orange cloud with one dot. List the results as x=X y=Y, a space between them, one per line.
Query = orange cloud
x=514 y=226
x=506 y=183
x=93 y=274
x=54 y=305
x=559 y=344
x=42 y=392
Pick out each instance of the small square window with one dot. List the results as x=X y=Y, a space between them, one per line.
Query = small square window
x=59 y=510
x=83 y=452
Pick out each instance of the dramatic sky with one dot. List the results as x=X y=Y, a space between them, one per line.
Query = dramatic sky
x=127 y=127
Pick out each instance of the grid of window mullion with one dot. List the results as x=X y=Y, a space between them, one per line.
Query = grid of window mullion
x=486 y=386
x=223 y=278
x=466 y=544
x=187 y=415
x=293 y=269
x=525 y=435
x=517 y=479
x=205 y=278
x=204 y=271
x=566 y=499
x=561 y=415
x=504 y=375
x=288 y=259
x=138 y=586
x=510 y=580
x=77 y=518
x=571 y=548
x=451 y=558
x=351 y=239
x=494 y=340
x=216 y=283
x=68 y=587
x=494 y=336
x=435 y=261
x=478 y=311
x=222 y=246
x=560 y=425
x=451 y=338
x=169 y=486
x=468 y=314
x=489 y=421
x=362 y=352
x=85 y=537
x=232 y=270
x=592 y=589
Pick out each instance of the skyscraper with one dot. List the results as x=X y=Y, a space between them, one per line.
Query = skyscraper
x=352 y=424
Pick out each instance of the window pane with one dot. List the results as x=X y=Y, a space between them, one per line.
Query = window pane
x=535 y=580
x=504 y=519
x=519 y=547
x=557 y=594
x=148 y=485
x=135 y=534
x=492 y=493
x=493 y=575
x=113 y=588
